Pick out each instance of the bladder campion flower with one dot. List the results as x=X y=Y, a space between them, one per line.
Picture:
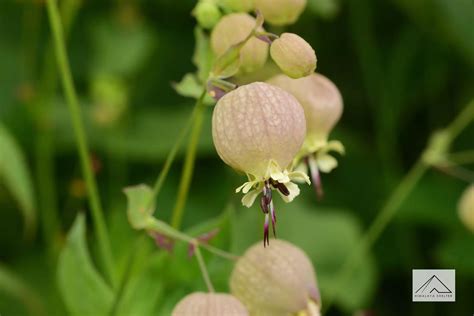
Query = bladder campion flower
x=233 y=29
x=258 y=129
x=209 y=304
x=322 y=103
x=280 y=12
x=466 y=208
x=295 y=57
x=277 y=281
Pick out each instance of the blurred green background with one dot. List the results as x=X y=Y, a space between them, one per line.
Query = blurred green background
x=404 y=68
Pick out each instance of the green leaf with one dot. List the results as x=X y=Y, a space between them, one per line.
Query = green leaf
x=14 y=174
x=203 y=56
x=190 y=87
x=140 y=205
x=136 y=140
x=327 y=236
x=83 y=289
x=120 y=48
x=145 y=285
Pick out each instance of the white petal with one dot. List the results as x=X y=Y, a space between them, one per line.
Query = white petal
x=250 y=197
x=294 y=192
x=326 y=163
x=299 y=176
x=335 y=145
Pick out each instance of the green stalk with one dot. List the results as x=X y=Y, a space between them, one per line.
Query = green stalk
x=188 y=167
x=393 y=204
x=82 y=146
x=202 y=266
x=44 y=145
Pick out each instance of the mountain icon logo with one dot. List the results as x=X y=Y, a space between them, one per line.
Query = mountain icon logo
x=434 y=285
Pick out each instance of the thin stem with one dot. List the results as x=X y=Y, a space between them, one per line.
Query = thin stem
x=462 y=157
x=188 y=167
x=378 y=225
x=44 y=144
x=82 y=146
x=204 y=272
x=456 y=172
x=393 y=203
x=461 y=121
x=163 y=228
x=172 y=154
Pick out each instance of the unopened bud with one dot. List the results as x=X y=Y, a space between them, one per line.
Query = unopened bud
x=278 y=280
x=280 y=12
x=295 y=57
x=238 y=5
x=466 y=208
x=233 y=29
x=209 y=304
x=207 y=14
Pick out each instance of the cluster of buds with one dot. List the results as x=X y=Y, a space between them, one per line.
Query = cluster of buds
x=274 y=131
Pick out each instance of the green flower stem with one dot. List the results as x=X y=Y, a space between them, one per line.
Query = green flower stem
x=462 y=157
x=44 y=145
x=188 y=167
x=163 y=228
x=172 y=154
x=202 y=266
x=393 y=204
x=82 y=146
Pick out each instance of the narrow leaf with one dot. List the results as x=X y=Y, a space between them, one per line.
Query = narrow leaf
x=14 y=174
x=83 y=289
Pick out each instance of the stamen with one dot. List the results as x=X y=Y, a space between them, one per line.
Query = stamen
x=266 y=238
x=280 y=187
x=273 y=214
x=315 y=176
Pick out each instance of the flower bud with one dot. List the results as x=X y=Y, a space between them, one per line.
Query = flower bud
x=207 y=14
x=238 y=5
x=233 y=29
x=209 y=304
x=280 y=12
x=256 y=124
x=321 y=101
x=295 y=57
x=466 y=208
x=278 y=280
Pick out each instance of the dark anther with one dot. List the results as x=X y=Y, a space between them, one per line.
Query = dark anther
x=280 y=187
x=264 y=204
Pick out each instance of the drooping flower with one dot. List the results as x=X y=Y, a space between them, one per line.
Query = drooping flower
x=258 y=129
x=277 y=281
x=280 y=12
x=466 y=208
x=322 y=103
x=295 y=57
x=209 y=304
x=233 y=29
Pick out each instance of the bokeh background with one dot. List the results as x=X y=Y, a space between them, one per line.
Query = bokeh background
x=404 y=68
